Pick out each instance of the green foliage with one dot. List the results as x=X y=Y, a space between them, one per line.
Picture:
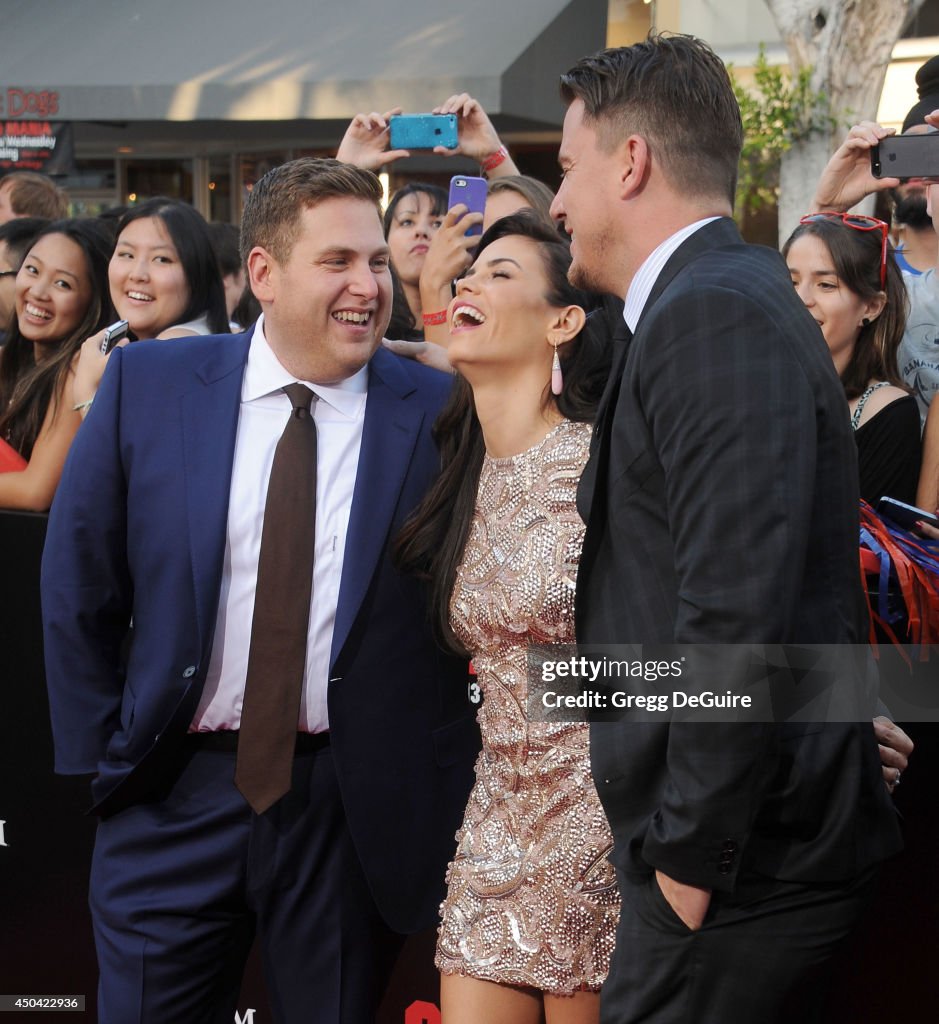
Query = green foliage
x=777 y=111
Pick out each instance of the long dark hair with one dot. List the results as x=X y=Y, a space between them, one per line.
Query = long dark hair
x=437 y=196
x=431 y=543
x=401 y=325
x=190 y=235
x=856 y=258
x=27 y=388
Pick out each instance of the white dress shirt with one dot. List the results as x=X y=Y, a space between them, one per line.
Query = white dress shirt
x=640 y=288
x=265 y=409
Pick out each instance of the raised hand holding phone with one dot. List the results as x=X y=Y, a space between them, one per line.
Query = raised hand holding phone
x=112 y=334
x=477 y=136
x=847 y=177
x=450 y=253
x=88 y=368
x=366 y=141
x=471 y=193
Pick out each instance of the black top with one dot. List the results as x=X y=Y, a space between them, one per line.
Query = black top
x=889 y=450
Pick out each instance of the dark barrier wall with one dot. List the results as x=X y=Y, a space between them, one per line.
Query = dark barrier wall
x=46 y=840
x=45 y=935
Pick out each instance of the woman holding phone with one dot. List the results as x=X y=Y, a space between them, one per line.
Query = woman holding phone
x=61 y=295
x=422 y=266
x=411 y=222
x=164 y=280
x=451 y=254
x=531 y=910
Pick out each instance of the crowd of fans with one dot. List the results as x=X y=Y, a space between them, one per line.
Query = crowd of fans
x=162 y=268
x=166 y=272
x=157 y=265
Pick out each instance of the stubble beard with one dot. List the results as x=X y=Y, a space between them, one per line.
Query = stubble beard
x=582 y=277
x=595 y=275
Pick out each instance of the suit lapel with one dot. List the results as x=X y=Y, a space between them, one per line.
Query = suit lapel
x=389 y=435
x=716 y=235
x=209 y=419
x=599 y=441
x=622 y=336
x=592 y=489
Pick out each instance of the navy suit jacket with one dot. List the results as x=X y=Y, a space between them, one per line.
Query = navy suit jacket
x=137 y=531
x=721 y=502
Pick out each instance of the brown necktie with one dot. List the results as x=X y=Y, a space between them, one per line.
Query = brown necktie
x=277 y=655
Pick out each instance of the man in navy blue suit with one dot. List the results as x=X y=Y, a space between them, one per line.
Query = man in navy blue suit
x=158 y=522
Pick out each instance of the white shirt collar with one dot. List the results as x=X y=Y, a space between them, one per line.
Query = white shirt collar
x=265 y=375
x=643 y=282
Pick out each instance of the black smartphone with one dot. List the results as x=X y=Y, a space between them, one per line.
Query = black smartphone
x=113 y=334
x=905 y=515
x=907 y=156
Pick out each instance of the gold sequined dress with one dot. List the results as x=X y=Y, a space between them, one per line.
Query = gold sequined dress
x=531 y=898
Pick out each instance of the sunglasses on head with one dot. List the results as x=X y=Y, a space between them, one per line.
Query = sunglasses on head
x=859 y=223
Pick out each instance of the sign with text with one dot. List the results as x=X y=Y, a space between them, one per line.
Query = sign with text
x=46 y=146
x=16 y=102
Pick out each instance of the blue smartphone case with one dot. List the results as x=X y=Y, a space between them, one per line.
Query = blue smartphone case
x=423 y=131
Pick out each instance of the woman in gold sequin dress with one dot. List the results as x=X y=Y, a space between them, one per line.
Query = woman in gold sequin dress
x=529 y=920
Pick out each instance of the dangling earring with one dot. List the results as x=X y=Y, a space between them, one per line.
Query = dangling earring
x=557 y=378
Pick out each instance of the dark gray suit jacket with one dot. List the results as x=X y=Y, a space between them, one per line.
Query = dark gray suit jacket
x=721 y=502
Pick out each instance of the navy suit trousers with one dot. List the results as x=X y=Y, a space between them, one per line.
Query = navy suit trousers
x=181 y=885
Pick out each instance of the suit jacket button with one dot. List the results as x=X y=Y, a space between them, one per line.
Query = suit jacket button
x=189 y=671
x=723 y=868
x=730 y=846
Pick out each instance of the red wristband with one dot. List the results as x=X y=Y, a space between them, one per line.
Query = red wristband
x=494 y=159
x=431 y=319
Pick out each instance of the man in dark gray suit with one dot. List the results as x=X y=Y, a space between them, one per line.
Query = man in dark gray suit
x=721 y=502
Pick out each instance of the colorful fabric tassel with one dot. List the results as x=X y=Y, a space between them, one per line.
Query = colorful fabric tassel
x=901 y=570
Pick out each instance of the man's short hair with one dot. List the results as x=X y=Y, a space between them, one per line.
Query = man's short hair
x=673 y=91
x=272 y=213
x=35 y=195
x=226 y=241
x=18 y=235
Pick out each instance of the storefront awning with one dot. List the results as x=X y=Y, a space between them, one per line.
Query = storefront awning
x=271 y=60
